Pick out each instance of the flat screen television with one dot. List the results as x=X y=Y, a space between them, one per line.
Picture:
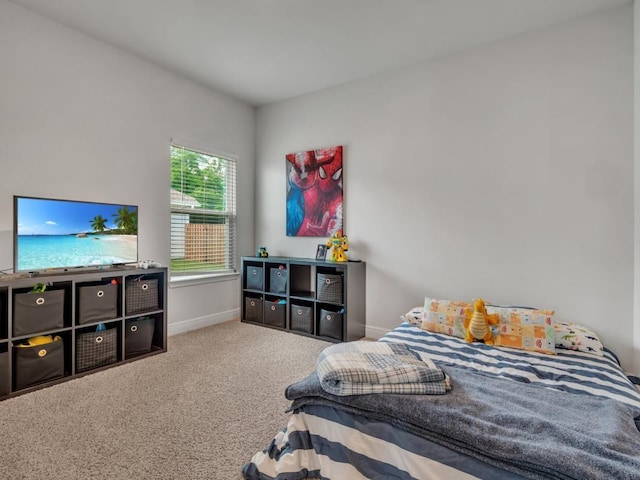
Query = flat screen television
x=60 y=234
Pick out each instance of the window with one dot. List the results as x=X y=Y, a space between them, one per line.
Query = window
x=203 y=213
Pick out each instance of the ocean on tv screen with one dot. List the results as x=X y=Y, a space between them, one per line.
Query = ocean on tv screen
x=40 y=252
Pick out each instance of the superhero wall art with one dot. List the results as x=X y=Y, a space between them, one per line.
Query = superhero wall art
x=314 y=192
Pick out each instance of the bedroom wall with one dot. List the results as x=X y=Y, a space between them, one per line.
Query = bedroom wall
x=82 y=120
x=636 y=289
x=503 y=172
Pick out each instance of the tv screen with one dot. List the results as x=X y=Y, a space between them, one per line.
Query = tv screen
x=59 y=234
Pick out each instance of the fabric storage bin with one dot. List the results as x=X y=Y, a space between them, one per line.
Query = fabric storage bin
x=37 y=312
x=97 y=302
x=330 y=324
x=254 y=278
x=253 y=309
x=275 y=314
x=329 y=287
x=141 y=295
x=94 y=349
x=278 y=280
x=38 y=363
x=4 y=373
x=138 y=335
x=301 y=318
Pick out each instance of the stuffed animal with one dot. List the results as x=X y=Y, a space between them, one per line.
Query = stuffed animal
x=477 y=324
x=339 y=244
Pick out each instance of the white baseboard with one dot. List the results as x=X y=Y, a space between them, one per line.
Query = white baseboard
x=376 y=332
x=208 y=320
x=200 y=322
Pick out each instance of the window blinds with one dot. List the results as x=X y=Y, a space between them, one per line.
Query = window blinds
x=203 y=213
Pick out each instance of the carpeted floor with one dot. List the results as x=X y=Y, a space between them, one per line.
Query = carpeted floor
x=198 y=411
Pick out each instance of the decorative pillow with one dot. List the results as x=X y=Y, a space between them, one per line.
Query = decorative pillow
x=573 y=336
x=413 y=316
x=524 y=329
x=445 y=316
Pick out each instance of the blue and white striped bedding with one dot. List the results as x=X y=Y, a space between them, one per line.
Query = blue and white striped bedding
x=569 y=371
x=339 y=441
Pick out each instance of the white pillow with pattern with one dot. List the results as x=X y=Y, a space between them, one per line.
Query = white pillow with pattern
x=573 y=336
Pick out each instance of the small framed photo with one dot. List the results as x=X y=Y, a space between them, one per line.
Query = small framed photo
x=321 y=252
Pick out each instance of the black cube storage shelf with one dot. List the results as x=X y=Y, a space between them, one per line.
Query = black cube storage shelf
x=81 y=301
x=301 y=289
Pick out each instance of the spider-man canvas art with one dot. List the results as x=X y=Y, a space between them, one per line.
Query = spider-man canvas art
x=314 y=192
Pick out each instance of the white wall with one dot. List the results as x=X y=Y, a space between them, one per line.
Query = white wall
x=503 y=172
x=82 y=120
x=636 y=287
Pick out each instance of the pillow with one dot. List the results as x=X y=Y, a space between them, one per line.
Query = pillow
x=573 y=336
x=413 y=316
x=445 y=316
x=524 y=329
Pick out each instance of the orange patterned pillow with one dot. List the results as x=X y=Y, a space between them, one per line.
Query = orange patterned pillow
x=445 y=316
x=524 y=329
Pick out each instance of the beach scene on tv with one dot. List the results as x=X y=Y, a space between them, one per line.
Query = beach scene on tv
x=53 y=234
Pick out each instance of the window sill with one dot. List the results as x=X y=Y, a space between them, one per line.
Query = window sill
x=189 y=280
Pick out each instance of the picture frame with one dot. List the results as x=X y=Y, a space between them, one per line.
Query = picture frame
x=321 y=252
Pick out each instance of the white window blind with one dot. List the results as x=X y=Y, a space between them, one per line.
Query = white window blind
x=203 y=213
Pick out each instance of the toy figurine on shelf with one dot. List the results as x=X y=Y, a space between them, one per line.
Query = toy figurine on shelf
x=339 y=244
x=262 y=252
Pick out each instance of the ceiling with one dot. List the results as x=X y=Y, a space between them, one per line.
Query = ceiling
x=263 y=51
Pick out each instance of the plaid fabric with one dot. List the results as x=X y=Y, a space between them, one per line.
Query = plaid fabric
x=362 y=367
x=96 y=348
x=141 y=295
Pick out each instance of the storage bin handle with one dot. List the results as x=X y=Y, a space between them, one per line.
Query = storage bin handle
x=42 y=352
x=145 y=286
x=100 y=293
x=40 y=301
x=134 y=328
x=99 y=339
x=273 y=307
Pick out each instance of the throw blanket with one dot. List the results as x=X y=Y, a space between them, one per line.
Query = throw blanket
x=523 y=428
x=361 y=367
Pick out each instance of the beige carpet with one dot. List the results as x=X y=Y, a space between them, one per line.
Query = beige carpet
x=199 y=411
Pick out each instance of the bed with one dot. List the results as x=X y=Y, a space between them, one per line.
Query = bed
x=510 y=414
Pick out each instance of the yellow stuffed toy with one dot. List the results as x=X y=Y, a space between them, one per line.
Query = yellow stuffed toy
x=477 y=324
x=339 y=244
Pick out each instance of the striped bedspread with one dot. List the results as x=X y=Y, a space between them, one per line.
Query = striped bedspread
x=510 y=415
x=568 y=371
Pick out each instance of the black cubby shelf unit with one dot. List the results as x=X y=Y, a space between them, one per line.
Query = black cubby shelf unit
x=305 y=296
x=91 y=319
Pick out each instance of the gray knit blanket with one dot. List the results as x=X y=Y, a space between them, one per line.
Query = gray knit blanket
x=361 y=367
x=527 y=429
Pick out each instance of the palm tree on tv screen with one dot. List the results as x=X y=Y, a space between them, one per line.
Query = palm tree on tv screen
x=99 y=223
x=126 y=220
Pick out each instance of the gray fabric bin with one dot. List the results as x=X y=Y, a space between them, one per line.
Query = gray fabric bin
x=141 y=295
x=275 y=314
x=97 y=302
x=278 y=280
x=94 y=349
x=329 y=287
x=302 y=318
x=254 y=278
x=138 y=336
x=38 y=312
x=253 y=309
x=330 y=324
x=4 y=373
x=38 y=363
